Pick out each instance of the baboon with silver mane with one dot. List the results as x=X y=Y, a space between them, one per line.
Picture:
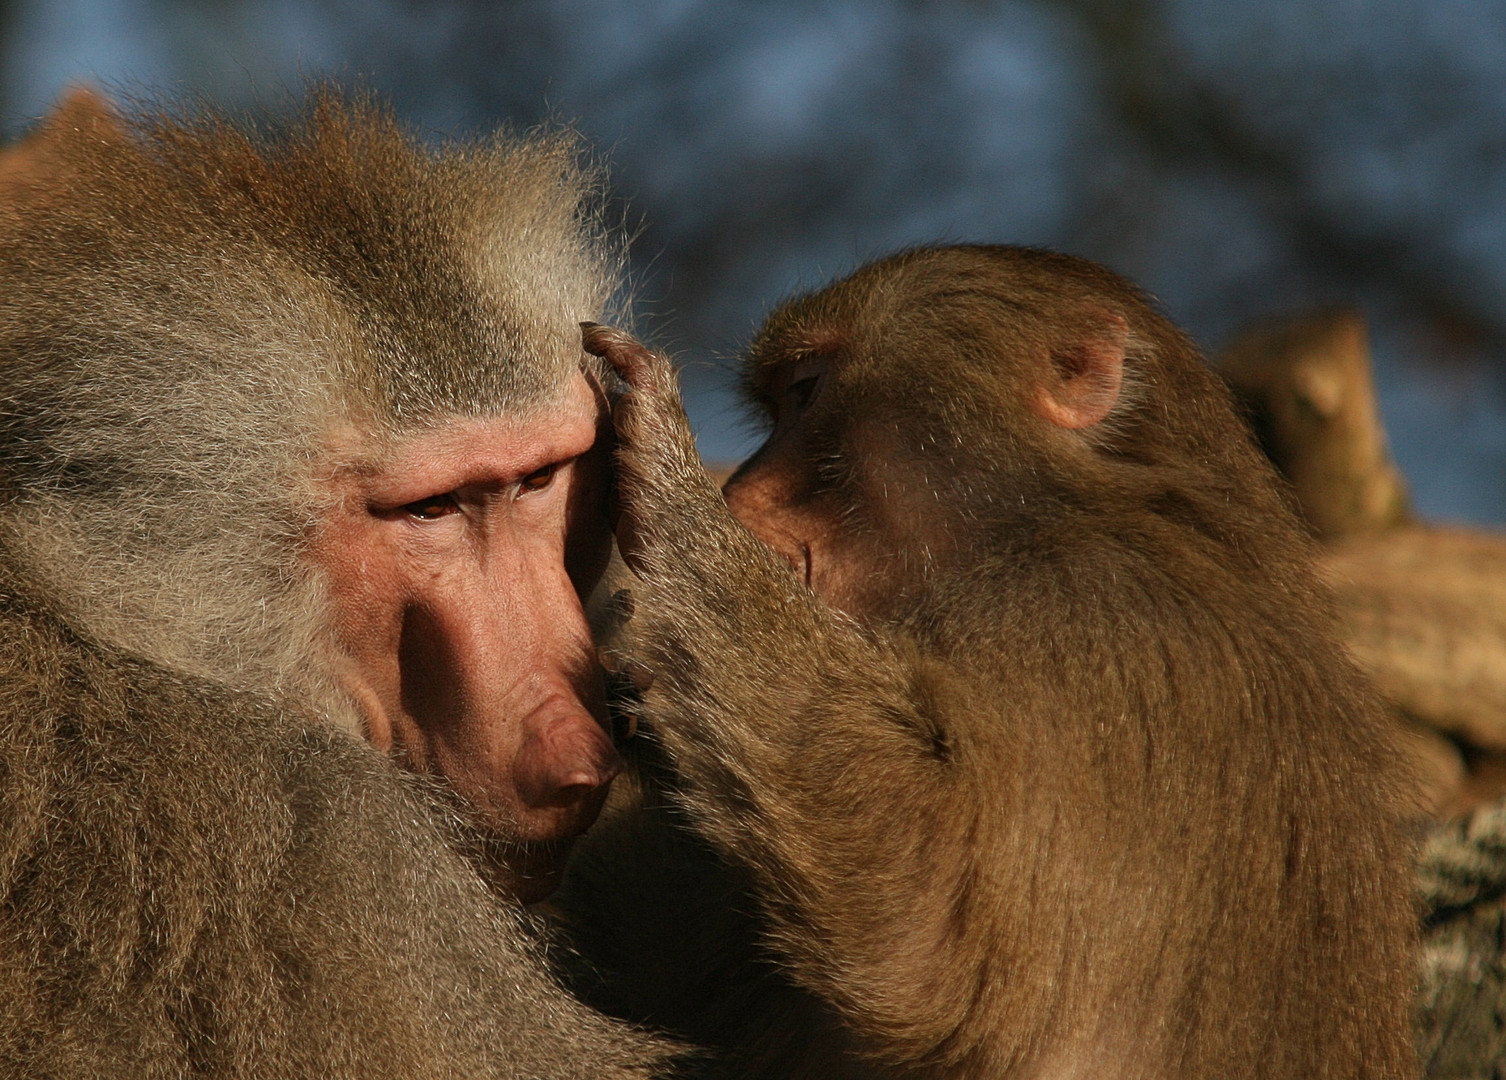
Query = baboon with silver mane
x=279 y=408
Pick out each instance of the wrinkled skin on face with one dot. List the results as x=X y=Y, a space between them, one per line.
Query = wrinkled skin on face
x=456 y=565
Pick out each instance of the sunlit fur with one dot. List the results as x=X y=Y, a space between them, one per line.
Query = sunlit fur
x=196 y=313
x=1090 y=791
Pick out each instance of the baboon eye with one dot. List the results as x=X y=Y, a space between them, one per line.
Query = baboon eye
x=801 y=391
x=794 y=387
x=537 y=480
x=435 y=506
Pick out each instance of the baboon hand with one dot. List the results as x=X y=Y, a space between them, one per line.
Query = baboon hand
x=642 y=369
x=663 y=492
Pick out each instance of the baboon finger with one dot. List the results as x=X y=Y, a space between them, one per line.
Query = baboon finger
x=633 y=361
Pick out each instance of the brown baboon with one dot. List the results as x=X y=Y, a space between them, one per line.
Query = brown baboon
x=1044 y=761
x=295 y=447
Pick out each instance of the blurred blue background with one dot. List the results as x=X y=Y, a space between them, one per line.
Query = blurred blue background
x=1240 y=160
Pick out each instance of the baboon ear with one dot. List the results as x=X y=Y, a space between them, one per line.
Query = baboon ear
x=1082 y=383
x=31 y=164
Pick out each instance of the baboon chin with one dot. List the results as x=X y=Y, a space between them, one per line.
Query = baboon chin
x=999 y=726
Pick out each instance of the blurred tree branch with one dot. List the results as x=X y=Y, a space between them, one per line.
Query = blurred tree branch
x=1184 y=120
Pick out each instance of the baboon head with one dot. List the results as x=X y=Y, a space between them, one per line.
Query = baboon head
x=944 y=403
x=302 y=408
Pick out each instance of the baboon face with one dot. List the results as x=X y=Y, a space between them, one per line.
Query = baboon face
x=456 y=568
x=823 y=521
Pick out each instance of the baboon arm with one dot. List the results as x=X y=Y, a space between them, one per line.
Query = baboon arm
x=832 y=776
